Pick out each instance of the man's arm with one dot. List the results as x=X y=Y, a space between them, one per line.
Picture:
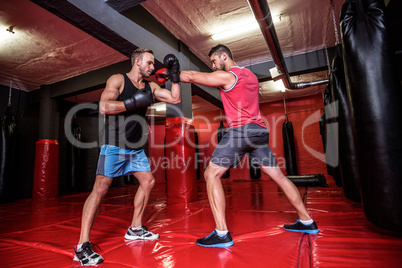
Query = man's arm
x=108 y=103
x=165 y=95
x=215 y=79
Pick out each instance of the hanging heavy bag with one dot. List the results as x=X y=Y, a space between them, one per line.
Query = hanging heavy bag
x=346 y=151
x=255 y=172
x=289 y=148
x=374 y=96
x=7 y=155
x=75 y=157
x=221 y=130
x=331 y=130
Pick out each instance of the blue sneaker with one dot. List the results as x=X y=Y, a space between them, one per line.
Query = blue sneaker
x=300 y=227
x=214 y=240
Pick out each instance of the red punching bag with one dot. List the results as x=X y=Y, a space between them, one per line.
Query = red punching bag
x=181 y=176
x=46 y=172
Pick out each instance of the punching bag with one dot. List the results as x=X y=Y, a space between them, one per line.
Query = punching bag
x=75 y=154
x=181 y=180
x=374 y=96
x=221 y=130
x=289 y=148
x=7 y=154
x=346 y=150
x=255 y=172
x=46 y=171
x=331 y=136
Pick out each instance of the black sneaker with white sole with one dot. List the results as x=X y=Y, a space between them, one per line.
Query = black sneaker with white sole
x=140 y=234
x=300 y=227
x=214 y=240
x=86 y=256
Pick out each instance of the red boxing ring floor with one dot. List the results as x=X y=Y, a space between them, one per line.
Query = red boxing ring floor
x=44 y=234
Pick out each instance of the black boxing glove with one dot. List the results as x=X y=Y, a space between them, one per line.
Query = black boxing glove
x=172 y=64
x=141 y=99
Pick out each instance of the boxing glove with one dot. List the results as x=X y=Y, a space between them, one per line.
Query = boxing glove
x=162 y=75
x=173 y=66
x=141 y=99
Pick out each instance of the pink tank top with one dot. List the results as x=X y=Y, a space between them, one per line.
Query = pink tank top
x=241 y=99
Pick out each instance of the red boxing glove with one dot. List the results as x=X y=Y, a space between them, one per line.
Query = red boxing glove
x=162 y=75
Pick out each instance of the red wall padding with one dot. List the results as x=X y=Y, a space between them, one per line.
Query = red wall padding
x=46 y=172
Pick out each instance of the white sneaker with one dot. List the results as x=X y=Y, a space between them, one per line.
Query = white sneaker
x=140 y=234
x=86 y=256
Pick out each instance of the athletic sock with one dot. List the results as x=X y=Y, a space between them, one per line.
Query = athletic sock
x=79 y=247
x=136 y=228
x=221 y=233
x=308 y=222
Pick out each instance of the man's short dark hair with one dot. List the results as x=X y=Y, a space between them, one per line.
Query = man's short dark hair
x=138 y=54
x=219 y=49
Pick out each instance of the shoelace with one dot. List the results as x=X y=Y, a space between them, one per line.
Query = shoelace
x=88 y=249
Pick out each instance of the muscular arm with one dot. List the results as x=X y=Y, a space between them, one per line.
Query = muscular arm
x=215 y=79
x=108 y=103
x=165 y=95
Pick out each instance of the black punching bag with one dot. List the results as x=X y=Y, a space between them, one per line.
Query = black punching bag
x=255 y=171
x=346 y=150
x=331 y=136
x=374 y=96
x=221 y=130
x=289 y=148
x=7 y=155
x=75 y=156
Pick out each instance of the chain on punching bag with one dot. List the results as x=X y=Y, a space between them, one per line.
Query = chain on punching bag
x=374 y=96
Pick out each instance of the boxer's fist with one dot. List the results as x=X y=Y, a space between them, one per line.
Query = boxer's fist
x=141 y=99
x=173 y=66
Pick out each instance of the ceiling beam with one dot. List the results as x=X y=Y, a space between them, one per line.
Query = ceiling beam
x=296 y=65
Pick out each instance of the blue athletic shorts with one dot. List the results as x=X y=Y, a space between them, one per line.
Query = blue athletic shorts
x=236 y=142
x=114 y=161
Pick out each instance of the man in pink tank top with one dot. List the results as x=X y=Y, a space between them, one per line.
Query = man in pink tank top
x=246 y=133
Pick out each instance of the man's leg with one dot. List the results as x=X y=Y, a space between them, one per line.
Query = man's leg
x=220 y=237
x=216 y=195
x=147 y=182
x=137 y=231
x=83 y=251
x=289 y=189
x=92 y=204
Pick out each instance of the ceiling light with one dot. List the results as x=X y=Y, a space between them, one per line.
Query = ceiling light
x=236 y=30
x=276 y=19
x=278 y=85
x=7 y=33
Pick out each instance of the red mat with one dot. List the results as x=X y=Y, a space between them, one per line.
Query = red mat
x=44 y=234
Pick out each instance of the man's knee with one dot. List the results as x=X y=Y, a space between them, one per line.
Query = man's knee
x=214 y=171
x=148 y=181
x=101 y=186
